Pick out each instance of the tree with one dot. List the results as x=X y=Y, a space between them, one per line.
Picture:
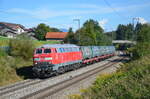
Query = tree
x=22 y=46
x=143 y=41
x=70 y=37
x=90 y=34
x=55 y=30
x=143 y=33
x=129 y=32
x=41 y=30
x=124 y=32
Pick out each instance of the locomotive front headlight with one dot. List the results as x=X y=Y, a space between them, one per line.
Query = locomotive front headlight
x=48 y=58
x=36 y=59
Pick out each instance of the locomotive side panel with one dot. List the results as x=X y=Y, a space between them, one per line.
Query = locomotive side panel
x=67 y=56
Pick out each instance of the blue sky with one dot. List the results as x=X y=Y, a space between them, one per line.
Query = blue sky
x=60 y=13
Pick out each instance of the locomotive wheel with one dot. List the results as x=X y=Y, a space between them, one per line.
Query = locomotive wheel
x=56 y=73
x=61 y=70
x=75 y=66
x=66 y=68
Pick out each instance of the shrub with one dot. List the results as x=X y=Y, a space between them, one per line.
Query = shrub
x=2 y=53
x=130 y=82
x=22 y=46
x=141 y=49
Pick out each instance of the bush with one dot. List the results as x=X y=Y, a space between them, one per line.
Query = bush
x=141 y=49
x=9 y=67
x=22 y=46
x=130 y=82
x=2 y=53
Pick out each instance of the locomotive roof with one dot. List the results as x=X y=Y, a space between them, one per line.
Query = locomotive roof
x=57 y=45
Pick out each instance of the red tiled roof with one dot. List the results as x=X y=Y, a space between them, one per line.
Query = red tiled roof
x=56 y=35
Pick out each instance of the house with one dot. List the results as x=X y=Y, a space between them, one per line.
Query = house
x=10 y=29
x=56 y=36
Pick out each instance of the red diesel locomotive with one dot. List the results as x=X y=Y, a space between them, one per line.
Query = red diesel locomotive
x=57 y=58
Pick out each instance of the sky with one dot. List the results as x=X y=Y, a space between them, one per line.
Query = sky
x=61 y=13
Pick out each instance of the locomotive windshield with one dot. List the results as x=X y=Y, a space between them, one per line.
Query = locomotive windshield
x=38 y=51
x=47 y=50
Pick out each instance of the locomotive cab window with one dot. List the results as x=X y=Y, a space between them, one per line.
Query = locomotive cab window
x=47 y=50
x=38 y=51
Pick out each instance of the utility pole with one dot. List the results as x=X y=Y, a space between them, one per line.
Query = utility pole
x=78 y=20
x=133 y=20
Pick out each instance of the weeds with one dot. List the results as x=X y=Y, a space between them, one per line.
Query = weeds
x=130 y=82
x=22 y=47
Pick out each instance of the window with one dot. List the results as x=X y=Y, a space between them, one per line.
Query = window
x=77 y=49
x=47 y=50
x=67 y=49
x=74 y=49
x=58 y=50
x=71 y=49
x=38 y=51
x=62 y=50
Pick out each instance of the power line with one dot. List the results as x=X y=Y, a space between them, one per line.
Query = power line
x=115 y=11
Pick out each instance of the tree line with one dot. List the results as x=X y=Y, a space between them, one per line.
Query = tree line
x=128 y=32
x=90 y=33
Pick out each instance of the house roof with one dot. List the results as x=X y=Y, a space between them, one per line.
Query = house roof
x=60 y=35
x=12 y=25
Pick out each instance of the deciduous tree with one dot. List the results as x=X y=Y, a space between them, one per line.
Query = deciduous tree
x=41 y=30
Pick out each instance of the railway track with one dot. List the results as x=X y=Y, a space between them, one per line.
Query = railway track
x=49 y=91
x=18 y=86
x=40 y=88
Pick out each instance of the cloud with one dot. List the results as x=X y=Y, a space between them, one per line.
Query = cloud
x=103 y=22
x=36 y=13
x=75 y=10
x=142 y=20
x=45 y=13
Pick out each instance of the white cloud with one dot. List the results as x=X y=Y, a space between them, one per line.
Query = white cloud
x=76 y=10
x=103 y=22
x=46 y=13
x=142 y=20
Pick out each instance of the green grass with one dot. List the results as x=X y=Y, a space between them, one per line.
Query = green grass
x=38 y=43
x=130 y=82
x=5 y=42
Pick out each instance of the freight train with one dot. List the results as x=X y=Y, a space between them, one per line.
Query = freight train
x=58 y=58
